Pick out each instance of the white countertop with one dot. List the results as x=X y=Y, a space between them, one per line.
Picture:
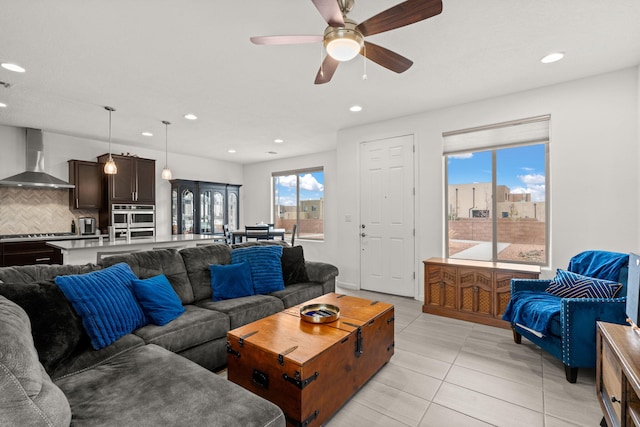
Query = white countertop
x=70 y=245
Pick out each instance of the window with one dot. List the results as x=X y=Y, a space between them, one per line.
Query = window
x=298 y=198
x=496 y=191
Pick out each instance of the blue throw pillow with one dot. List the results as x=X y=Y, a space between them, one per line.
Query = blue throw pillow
x=266 y=268
x=104 y=300
x=158 y=300
x=231 y=281
x=572 y=285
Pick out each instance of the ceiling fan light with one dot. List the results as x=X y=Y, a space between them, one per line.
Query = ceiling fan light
x=343 y=49
x=343 y=43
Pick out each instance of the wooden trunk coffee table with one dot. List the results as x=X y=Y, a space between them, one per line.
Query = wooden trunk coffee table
x=310 y=370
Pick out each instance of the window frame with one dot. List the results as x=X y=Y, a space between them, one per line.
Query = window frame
x=494 y=185
x=299 y=209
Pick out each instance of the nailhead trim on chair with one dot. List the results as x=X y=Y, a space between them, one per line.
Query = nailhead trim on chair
x=564 y=312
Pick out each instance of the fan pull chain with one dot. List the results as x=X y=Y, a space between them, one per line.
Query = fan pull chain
x=321 y=60
x=364 y=56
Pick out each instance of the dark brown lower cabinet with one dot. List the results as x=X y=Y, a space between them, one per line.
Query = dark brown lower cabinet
x=28 y=253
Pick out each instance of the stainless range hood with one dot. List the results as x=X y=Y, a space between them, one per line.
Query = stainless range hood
x=35 y=175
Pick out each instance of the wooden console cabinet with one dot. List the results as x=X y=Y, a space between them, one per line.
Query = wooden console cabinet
x=477 y=291
x=618 y=374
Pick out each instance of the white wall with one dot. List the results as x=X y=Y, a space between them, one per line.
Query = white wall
x=59 y=148
x=593 y=167
x=256 y=198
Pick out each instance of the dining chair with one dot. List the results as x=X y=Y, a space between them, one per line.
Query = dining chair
x=258 y=232
x=227 y=234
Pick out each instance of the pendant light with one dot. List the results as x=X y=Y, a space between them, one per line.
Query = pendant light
x=110 y=167
x=166 y=172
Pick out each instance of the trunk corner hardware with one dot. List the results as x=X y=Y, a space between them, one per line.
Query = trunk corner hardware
x=232 y=351
x=301 y=384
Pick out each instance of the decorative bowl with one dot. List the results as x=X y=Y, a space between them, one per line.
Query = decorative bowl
x=319 y=313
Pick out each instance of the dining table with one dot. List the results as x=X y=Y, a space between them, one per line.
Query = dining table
x=237 y=236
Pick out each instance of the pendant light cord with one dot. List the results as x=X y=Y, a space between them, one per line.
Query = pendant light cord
x=166 y=172
x=110 y=110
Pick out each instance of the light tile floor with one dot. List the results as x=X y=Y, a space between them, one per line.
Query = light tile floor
x=447 y=372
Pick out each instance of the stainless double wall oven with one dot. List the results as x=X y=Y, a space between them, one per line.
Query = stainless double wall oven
x=133 y=220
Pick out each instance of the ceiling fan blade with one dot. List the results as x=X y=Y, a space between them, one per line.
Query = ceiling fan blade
x=326 y=71
x=330 y=11
x=285 y=39
x=385 y=57
x=402 y=14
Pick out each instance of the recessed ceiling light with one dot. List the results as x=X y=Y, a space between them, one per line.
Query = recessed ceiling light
x=147 y=134
x=278 y=140
x=231 y=150
x=190 y=116
x=552 y=57
x=13 y=67
x=355 y=108
x=3 y=105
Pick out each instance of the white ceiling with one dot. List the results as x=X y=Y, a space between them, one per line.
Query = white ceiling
x=155 y=60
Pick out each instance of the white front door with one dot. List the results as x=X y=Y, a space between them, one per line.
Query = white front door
x=386 y=216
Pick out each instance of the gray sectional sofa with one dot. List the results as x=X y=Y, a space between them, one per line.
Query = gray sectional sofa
x=157 y=375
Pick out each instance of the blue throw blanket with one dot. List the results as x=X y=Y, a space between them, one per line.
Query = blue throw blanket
x=599 y=264
x=533 y=310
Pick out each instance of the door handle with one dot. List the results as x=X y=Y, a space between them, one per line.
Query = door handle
x=362 y=234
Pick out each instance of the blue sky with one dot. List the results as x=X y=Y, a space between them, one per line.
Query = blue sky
x=311 y=188
x=519 y=168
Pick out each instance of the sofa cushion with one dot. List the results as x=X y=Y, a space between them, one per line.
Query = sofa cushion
x=89 y=357
x=38 y=273
x=56 y=328
x=246 y=309
x=147 y=264
x=162 y=389
x=572 y=285
x=293 y=267
x=298 y=293
x=158 y=300
x=231 y=281
x=194 y=327
x=265 y=264
x=105 y=302
x=28 y=397
x=197 y=261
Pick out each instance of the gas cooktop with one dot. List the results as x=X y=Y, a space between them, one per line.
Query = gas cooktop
x=33 y=236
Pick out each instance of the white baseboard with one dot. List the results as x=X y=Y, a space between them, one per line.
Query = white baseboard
x=346 y=285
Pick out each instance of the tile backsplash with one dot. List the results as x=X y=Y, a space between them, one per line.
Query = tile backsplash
x=33 y=210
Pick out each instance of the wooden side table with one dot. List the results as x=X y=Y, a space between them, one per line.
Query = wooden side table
x=618 y=374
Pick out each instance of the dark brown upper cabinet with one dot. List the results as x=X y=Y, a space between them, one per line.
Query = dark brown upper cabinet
x=87 y=177
x=135 y=181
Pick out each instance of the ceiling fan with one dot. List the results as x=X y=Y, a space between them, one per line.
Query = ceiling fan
x=344 y=38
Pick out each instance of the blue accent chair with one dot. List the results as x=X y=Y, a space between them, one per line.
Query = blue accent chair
x=572 y=337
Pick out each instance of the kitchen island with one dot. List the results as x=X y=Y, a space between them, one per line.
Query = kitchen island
x=91 y=251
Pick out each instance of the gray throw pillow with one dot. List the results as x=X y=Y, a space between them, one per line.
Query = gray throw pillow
x=57 y=330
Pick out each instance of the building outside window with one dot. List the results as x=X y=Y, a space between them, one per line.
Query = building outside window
x=497 y=192
x=298 y=198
